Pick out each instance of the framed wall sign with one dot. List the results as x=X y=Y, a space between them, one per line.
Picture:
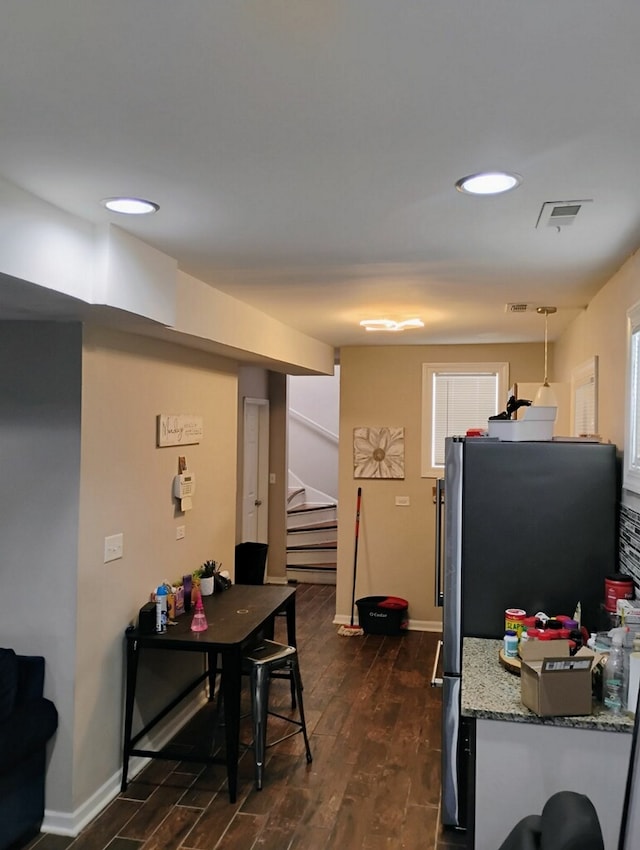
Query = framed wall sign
x=178 y=429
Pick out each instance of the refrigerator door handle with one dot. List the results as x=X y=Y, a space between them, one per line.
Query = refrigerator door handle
x=439 y=597
x=436 y=681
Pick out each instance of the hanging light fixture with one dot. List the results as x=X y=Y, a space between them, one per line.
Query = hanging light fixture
x=545 y=397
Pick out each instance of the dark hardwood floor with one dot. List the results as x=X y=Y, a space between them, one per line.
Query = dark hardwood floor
x=374 y=783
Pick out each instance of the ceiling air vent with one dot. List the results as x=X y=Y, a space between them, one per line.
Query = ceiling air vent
x=559 y=214
x=519 y=307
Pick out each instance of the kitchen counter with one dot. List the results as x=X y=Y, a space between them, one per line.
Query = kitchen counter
x=492 y=693
x=583 y=753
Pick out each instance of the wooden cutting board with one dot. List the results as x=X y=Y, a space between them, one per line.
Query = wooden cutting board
x=511 y=664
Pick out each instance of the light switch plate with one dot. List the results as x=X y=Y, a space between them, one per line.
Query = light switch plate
x=113 y=547
x=403 y=501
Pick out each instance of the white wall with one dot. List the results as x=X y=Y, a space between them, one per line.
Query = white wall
x=314 y=423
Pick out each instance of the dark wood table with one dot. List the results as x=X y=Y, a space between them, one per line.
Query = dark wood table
x=235 y=616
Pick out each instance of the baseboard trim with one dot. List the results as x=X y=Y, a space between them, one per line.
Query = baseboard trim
x=71 y=823
x=275 y=579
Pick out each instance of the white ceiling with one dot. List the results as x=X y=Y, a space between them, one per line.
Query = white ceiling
x=304 y=152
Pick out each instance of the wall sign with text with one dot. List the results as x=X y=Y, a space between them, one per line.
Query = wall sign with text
x=178 y=429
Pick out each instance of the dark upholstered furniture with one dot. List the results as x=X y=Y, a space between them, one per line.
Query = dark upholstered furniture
x=27 y=721
x=568 y=822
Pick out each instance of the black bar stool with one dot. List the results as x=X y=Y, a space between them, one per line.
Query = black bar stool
x=260 y=662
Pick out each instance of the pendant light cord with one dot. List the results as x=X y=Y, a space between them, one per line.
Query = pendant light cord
x=546 y=374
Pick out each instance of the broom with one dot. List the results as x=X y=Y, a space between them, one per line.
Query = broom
x=351 y=630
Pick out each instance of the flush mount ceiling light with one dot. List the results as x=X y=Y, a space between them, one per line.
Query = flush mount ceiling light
x=130 y=206
x=390 y=325
x=488 y=183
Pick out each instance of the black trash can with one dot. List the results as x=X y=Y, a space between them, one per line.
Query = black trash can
x=251 y=560
x=383 y=615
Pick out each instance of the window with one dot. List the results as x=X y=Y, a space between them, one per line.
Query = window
x=584 y=395
x=456 y=397
x=631 y=476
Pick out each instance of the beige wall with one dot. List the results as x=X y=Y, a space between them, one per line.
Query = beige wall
x=277 y=563
x=602 y=330
x=126 y=487
x=382 y=386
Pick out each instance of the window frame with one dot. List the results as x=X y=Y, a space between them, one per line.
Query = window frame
x=631 y=468
x=498 y=368
x=584 y=375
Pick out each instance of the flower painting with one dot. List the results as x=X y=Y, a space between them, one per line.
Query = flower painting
x=378 y=452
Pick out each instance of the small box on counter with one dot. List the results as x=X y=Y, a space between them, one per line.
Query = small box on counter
x=629 y=612
x=557 y=684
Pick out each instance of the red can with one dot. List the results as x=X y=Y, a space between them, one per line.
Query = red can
x=616 y=587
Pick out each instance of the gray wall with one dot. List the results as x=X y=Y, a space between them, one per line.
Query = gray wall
x=40 y=405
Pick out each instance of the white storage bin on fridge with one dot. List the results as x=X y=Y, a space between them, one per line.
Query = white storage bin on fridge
x=536 y=424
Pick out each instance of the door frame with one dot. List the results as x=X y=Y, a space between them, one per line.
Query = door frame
x=262 y=477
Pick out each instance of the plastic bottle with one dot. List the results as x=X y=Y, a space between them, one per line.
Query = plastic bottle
x=613 y=678
x=199 y=621
x=511 y=643
x=161 y=609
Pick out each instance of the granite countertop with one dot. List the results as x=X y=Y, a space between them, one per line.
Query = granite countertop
x=491 y=692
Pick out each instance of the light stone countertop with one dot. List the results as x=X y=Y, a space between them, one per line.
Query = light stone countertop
x=491 y=692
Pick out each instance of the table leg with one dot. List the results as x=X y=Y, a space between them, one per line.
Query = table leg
x=291 y=638
x=291 y=621
x=231 y=684
x=132 y=672
x=212 y=664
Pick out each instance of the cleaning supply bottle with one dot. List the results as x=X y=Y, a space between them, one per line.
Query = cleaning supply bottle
x=613 y=676
x=161 y=608
x=199 y=621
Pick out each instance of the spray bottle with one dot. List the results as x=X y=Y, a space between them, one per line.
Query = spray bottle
x=613 y=677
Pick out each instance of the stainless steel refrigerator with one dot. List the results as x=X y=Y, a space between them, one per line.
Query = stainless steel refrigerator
x=523 y=525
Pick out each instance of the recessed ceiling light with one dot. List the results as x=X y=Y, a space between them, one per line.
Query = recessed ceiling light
x=488 y=183
x=390 y=325
x=130 y=206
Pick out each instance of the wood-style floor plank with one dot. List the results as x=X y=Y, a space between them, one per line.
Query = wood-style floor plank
x=373 y=784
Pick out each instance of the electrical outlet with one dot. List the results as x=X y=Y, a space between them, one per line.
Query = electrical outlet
x=180 y=532
x=113 y=547
x=403 y=501
x=272 y=478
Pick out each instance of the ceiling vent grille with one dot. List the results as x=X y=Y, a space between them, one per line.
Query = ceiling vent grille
x=519 y=307
x=559 y=214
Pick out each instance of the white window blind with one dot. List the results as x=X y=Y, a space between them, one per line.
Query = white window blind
x=456 y=397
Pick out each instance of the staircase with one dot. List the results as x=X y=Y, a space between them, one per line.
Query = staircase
x=312 y=534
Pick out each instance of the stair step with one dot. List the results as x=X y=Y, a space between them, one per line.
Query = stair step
x=308 y=535
x=309 y=514
x=312 y=556
x=311 y=575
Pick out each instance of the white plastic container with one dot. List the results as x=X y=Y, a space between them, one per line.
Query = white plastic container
x=536 y=424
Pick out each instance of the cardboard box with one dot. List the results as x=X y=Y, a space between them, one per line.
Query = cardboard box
x=557 y=684
x=629 y=612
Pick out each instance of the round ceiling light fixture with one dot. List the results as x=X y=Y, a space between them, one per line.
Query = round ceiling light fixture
x=130 y=206
x=488 y=183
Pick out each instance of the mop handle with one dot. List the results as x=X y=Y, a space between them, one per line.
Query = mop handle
x=355 y=553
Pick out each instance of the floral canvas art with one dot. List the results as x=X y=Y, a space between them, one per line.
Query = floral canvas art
x=378 y=452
